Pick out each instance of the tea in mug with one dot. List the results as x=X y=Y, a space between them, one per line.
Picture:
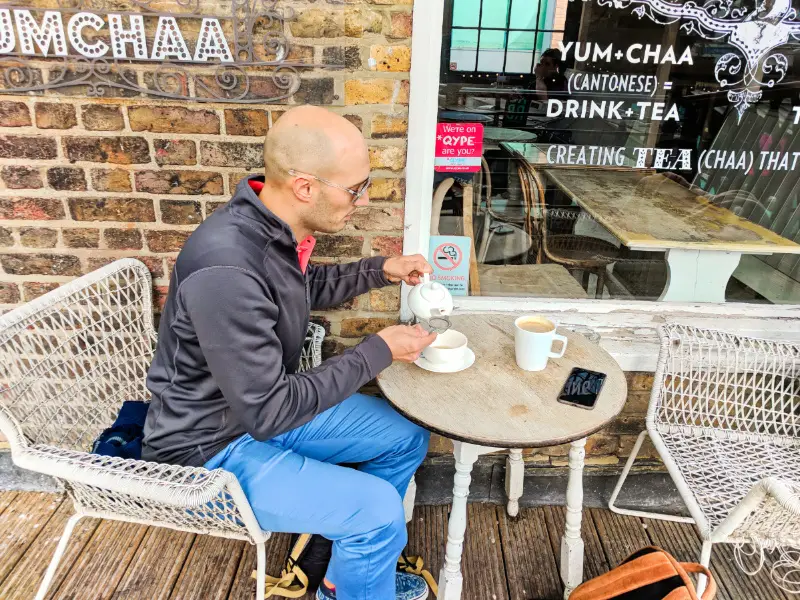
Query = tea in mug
x=536 y=325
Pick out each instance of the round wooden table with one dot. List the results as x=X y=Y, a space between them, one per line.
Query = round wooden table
x=495 y=405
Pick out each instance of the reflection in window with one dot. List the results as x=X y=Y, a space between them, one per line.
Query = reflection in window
x=624 y=157
x=501 y=36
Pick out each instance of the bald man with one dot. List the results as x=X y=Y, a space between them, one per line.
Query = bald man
x=225 y=388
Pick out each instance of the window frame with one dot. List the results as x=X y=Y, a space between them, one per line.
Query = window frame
x=628 y=328
x=464 y=76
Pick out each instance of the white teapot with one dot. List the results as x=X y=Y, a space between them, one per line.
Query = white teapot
x=431 y=301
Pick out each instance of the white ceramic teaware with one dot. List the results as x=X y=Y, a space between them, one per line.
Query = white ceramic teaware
x=431 y=302
x=448 y=348
x=533 y=342
x=452 y=367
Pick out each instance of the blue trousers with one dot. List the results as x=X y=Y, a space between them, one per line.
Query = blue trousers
x=294 y=485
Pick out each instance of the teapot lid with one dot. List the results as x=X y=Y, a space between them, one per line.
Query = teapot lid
x=432 y=292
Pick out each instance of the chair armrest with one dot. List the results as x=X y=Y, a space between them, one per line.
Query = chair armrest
x=771 y=504
x=311 y=356
x=168 y=484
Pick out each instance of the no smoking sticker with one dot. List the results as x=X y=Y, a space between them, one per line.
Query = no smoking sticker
x=448 y=256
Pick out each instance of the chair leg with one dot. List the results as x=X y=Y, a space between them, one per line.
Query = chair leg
x=705 y=560
x=601 y=283
x=261 y=570
x=53 y=567
x=625 y=472
x=585 y=279
x=410 y=499
x=487 y=236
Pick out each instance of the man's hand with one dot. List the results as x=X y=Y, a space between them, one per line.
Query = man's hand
x=405 y=342
x=406 y=268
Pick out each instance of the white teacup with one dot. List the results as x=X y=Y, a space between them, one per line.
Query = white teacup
x=449 y=348
x=533 y=342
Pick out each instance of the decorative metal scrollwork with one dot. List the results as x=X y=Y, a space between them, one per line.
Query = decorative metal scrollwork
x=755 y=33
x=242 y=57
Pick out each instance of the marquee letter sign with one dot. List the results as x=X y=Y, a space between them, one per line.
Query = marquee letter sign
x=242 y=57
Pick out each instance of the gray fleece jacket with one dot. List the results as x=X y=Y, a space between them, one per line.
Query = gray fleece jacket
x=232 y=330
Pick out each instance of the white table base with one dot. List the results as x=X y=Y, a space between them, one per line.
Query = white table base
x=515 y=477
x=410 y=499
x=571 y=541
x=698 y=275
x=451 y=581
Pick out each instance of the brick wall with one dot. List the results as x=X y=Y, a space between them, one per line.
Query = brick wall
x=85 y=181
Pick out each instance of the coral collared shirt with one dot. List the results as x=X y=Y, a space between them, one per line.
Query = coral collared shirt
x=305 y=247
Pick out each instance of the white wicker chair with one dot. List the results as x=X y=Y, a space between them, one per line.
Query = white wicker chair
x=724 y=416
x=68 y=360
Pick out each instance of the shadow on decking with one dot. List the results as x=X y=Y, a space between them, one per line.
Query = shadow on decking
x=504 y=558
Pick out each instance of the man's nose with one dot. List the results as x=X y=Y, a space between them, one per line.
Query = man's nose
x=364 y=200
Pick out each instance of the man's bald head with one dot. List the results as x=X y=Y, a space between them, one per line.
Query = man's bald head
x=311 y=140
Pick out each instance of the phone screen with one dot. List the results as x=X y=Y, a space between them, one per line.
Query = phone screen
x=582 y=388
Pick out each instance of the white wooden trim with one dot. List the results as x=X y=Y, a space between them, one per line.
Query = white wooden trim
x=628 y=328
x=426 y=46
x=607 y=307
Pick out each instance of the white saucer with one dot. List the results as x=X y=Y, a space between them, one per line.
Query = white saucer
x=469 y=359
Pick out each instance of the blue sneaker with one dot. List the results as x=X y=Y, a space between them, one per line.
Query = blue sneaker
x=409 y=587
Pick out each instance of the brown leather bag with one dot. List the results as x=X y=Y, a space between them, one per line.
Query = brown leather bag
x=649 y=574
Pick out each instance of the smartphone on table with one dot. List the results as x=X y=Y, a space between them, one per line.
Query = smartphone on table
x=582 y=388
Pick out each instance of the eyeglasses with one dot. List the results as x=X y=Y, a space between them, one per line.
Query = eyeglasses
x=357 y=193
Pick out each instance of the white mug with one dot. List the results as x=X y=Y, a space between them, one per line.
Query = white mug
x=533 y=342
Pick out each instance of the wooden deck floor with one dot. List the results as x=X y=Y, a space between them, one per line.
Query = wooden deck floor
x=505 y=559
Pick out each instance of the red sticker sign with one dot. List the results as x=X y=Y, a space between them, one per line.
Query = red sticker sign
x=459 y=147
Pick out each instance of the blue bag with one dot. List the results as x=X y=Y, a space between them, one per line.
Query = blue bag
x=124 y=438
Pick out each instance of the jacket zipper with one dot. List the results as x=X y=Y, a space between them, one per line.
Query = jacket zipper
x=308 y=293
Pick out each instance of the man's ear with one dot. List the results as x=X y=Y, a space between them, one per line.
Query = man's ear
x=302 y=188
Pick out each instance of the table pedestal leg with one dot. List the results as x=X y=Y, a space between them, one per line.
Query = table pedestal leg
x=450 y=578
x=571 y=542
x=698 y=275
x=410 y=499
x=515 y=476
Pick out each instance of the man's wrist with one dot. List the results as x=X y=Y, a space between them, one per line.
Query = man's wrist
x=376 y=353
x=386 y=261
x=382 y=260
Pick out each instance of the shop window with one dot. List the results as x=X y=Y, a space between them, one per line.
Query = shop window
x=500 y=37
x=629 y=151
